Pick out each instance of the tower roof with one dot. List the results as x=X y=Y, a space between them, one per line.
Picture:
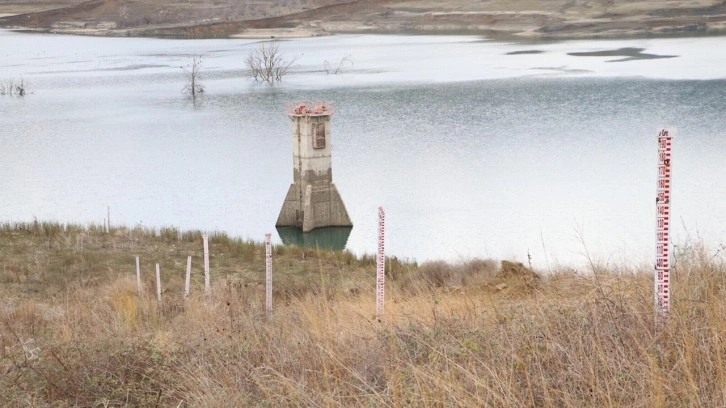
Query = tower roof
x=304 y=109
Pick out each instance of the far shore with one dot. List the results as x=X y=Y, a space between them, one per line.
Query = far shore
x=497 y=20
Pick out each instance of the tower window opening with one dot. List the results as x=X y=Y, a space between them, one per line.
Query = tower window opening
x=318 y=135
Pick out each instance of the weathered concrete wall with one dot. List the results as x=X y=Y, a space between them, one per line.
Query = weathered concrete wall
x=291 y=214
x=313 y=200
x=312 y=164
x=323 y=207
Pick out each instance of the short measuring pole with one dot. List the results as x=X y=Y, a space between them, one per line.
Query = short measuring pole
x=207 y=283
x=381 y=262
x=268 y=273
x=662 y=278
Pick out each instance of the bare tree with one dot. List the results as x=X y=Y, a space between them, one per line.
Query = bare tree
x=341 y=64
x=20 y=88
x=192 y=71
x=267 y=64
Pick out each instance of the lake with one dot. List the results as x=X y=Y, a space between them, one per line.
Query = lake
x=538 y=152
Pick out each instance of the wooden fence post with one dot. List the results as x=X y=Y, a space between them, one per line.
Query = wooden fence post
x=158 y=283
x=138 y=276
x=188 y=278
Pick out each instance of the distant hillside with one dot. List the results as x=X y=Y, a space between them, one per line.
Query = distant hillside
x=225 y=18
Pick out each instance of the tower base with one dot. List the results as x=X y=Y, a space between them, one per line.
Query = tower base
x=334 y=238
x=317 y=207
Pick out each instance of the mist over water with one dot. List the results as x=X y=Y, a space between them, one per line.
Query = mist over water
x=475 y=148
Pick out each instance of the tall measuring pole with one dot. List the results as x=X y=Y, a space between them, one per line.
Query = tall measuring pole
x=268 y=273
x=662 y=278
x=381 y=262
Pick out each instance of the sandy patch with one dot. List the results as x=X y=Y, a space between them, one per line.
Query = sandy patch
x=301 y=32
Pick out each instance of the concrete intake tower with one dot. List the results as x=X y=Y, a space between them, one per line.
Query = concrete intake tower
x=312 y=200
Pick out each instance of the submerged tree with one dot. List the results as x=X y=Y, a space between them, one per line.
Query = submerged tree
x=12 y=88
x=192 y=70
x=20 y=88
x=267 y=64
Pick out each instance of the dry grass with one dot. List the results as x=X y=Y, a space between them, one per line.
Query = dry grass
x=452 y=334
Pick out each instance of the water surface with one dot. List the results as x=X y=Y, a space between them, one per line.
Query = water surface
x=475 y=148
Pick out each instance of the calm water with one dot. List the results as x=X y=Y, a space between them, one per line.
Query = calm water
x=471 y=150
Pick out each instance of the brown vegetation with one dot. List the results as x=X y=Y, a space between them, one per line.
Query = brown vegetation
x=223 y=18
x=74 y=332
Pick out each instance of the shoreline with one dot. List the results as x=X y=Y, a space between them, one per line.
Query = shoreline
x=298 y=33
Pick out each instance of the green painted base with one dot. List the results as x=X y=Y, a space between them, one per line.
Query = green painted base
x=333 y=238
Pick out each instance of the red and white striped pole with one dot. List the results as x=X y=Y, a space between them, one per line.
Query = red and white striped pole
x=662 y=278
x=207 y=282
x=381 y=262
x=268 y=273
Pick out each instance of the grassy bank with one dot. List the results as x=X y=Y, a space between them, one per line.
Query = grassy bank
x=74 y=331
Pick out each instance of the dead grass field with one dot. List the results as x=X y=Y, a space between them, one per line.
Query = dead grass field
x=75 y=332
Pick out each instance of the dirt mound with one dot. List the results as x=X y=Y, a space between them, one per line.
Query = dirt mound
x=517 y=270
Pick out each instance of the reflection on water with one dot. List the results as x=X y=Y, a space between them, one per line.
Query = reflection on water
x=333 y=238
